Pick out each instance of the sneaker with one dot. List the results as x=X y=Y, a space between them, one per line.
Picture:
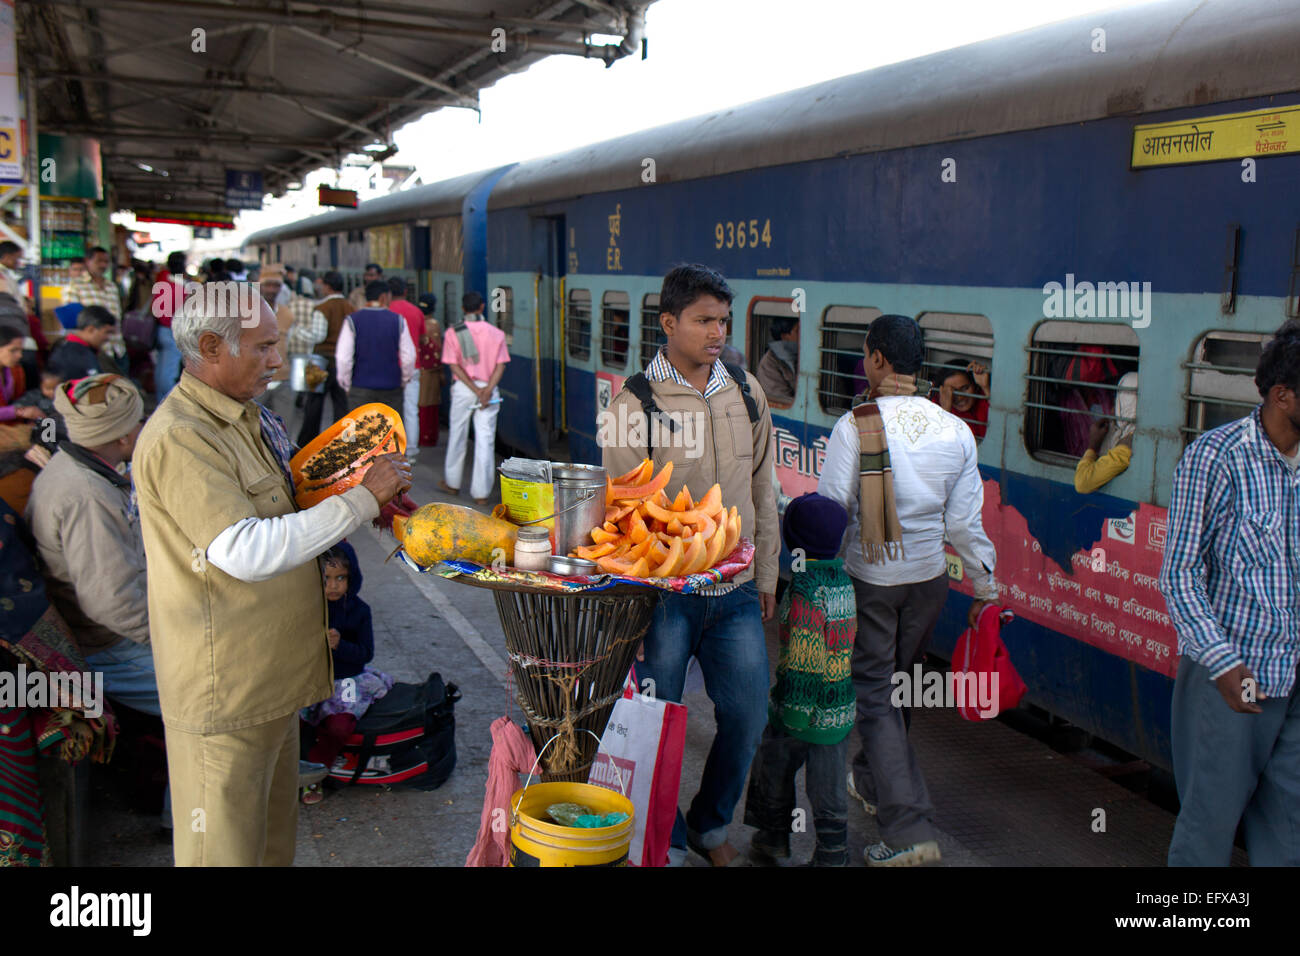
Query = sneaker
x=765 y=847
x=917 y=854
x=853 y=792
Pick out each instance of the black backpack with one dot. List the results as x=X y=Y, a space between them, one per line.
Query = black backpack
x=406 y=738
x=639 y=386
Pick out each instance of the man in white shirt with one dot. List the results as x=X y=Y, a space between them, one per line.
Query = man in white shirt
x=905 y=470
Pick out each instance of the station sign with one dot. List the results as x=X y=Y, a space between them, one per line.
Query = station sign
x=243 y=189
x=1206 y=139
x=328 y=196
x=185 y=217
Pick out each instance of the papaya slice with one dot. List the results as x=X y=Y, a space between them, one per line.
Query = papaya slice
x=667 y=567
x=681 y=517
x=338 y=458
x=615 y=513
x=658 y=551
x=594 y=551
x=693 y=559
x=711 y=503
x=638 y=475
x=660 y=481
x=673 y=526
x=638 y=531
x=657 y=526
x=713 y=553
x=601 y=536
x=683 y=502
x=706 y=526
x=733 y=532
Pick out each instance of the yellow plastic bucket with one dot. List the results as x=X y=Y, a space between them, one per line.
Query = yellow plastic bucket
x=536 y=841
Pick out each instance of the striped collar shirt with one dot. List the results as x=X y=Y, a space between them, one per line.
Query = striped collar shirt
x=86 y=292
x=662 y=370
x=1231 y=571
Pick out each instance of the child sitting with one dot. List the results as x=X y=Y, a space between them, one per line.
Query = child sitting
x=43 y=399
x=813 y=704
x=352 y=644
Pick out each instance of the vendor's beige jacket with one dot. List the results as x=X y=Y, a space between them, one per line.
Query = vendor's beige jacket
x=229 y=654
x=728 y=450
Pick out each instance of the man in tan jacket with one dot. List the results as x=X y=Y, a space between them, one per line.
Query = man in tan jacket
x=715 y=439
x=237 y=606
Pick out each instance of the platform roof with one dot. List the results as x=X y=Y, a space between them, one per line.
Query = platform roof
x=282 y=87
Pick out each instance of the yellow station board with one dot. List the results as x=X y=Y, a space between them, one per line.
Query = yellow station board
x=1229 y=136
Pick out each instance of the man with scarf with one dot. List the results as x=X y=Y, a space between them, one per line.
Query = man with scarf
x=476 y=353
x=906 y=471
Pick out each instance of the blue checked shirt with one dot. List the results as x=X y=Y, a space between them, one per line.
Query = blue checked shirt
x=1231 y=572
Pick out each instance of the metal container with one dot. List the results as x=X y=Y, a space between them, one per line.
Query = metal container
x=559 y=564
x=298 y=371
x=579 y=504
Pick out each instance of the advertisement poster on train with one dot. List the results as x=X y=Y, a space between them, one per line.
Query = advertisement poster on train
x=1108 y=597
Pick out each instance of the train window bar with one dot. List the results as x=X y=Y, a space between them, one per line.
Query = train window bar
x=579 y=324
x=1221 y=380
x=1055 y=431
x=652 y=333
x=615 y=329
x=843 y=332
x=954 y=340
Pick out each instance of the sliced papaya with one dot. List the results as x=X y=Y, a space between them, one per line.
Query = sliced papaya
x=706 y=526
x=338 y=458
x=616 y=513
x=696 y=552
x=682 y=517
x=713 y=553
x=683 y=502
x=660 y=481
x=594 y=551
x=638 y=475
x=600 y=535
x=711 y=503
x=638 y=531
x=733 y=532
x=673 y=526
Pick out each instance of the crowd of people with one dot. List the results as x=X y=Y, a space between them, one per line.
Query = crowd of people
x=163 y=549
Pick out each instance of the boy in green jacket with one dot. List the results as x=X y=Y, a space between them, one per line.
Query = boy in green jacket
x=812 y=705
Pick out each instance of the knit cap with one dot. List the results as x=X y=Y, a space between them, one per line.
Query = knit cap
x=816 y=524
x=99 y=409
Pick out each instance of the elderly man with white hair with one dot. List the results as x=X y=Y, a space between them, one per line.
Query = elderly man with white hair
x=236 y=602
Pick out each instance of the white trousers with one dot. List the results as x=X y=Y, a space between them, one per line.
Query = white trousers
x=411 y=415
x=464 y=403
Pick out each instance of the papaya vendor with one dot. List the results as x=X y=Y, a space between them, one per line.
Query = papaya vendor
x=236 y=604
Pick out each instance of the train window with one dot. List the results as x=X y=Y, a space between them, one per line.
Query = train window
x=844 y=330
x=578 y=326
x=615 y=321
x=773 y=354
x=502 y=305
x=1221 y=380
x=652 y=333
x=959 y=353
x=1074 y=378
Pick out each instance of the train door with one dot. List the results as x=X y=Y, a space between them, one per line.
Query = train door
x=549 y=254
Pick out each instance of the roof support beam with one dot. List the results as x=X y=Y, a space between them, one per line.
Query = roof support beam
x=198 y=137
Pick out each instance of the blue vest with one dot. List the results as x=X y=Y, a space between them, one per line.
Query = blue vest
x=375 y=362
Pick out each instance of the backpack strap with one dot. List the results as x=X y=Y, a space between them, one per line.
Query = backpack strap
x=751 y=406
x=639 y=386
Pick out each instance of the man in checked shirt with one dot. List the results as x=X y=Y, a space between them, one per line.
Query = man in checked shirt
x=1231 y=579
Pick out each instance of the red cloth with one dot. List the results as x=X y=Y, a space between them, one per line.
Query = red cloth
x=331 y=734
x=34 y=324
x=978 y=658
x=164 y=302
x=977 y=418
x=512 y=754
x=429 y=425
x=414 y=322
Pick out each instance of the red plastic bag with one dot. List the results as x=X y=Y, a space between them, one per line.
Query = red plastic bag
x=980 y=661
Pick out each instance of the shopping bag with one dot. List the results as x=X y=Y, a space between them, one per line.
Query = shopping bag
x=640 y=756
x=985 y=679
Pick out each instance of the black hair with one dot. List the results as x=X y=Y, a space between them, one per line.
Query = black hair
x=234 y=265
x=1280 y=363
x=374 y=265
x=7 y=247
x=217 y=265
x=470 y=302
x=686 y=283
x=94 y=317
x=333 y=280
x=783 y=325
x=899 y=339
x=336 y=556
x=375 y=289
x=309 y=274
x=95 y=250
x=397 y=286
x=10 y=331
x=429 y=303
x=77 y=260
x=176 y=263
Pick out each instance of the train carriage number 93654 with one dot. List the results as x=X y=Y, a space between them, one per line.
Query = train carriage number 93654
x=742 y=234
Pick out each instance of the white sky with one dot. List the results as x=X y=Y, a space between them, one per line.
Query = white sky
x=703 y=55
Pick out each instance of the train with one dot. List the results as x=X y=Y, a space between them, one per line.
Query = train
x=1112 y=194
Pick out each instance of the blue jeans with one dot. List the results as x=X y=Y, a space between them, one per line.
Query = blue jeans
x=169 y=363
x=726 y=635
x=128 y=675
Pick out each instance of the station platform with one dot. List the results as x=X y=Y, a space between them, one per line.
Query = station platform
x=1002 y=798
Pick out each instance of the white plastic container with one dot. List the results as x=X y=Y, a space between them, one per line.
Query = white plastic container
x=532 y=548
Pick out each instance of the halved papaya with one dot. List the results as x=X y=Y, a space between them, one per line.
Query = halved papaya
x=338 y=458
x=646 y=490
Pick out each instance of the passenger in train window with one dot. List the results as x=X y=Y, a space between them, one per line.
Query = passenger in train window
x=1109 y=448
x=778 y=369
x=1231 y=584
x=907 y=472
x=965 y=393
x=722 y=433
x=1082 y=401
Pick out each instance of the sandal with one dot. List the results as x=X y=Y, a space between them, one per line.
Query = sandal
x=738 y=860
x=312 y=795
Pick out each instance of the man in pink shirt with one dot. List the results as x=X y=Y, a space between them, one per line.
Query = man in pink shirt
x=475 y=352
x=414 y=317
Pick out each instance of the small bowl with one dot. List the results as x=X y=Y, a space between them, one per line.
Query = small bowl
x=559 y=564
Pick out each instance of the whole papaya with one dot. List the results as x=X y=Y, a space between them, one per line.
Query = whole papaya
x=443 y=532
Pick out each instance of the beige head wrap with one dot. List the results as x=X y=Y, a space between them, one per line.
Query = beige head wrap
x=99 y=409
